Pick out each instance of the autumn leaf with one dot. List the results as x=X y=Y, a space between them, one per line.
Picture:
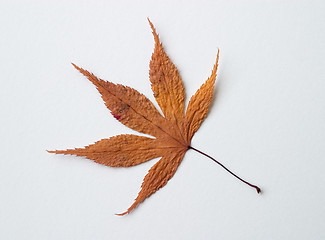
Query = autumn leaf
x=172 y=131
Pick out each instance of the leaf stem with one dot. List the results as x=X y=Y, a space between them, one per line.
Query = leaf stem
x=249 y=184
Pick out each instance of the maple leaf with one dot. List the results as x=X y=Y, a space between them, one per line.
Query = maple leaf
x=173 y=131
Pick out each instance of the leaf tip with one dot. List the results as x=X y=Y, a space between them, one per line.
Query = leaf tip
x=50 y=151
x=121 y=214
x=59 y=151
x=153 y=31
x=75 y=66
x=151 y=25
x=215 y=68
x=216 y=64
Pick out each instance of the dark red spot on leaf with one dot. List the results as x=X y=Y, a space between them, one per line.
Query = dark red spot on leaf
x=116 y=116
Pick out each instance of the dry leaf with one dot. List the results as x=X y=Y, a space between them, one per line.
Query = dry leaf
x=173 y=131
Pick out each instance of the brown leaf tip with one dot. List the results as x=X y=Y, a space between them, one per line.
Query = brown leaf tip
x=215 y=67
x=76 y=67
x=151 y=25
x=57 y=151
x=154 y=31
x=121 y=214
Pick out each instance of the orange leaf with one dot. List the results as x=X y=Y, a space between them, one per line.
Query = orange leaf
x=173 y=131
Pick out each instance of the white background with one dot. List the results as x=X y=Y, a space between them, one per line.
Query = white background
x=266 y=122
